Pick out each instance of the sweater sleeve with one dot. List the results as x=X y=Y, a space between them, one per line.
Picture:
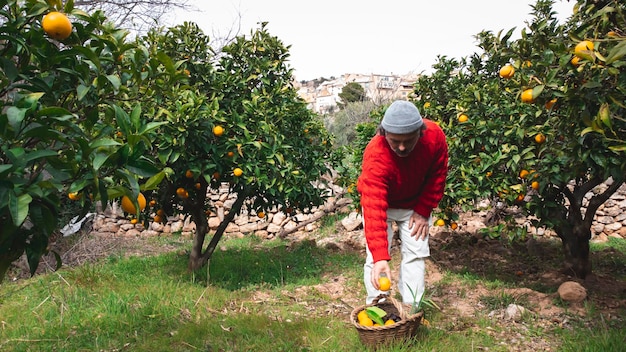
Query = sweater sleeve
x=373 y=188
x=434 y=184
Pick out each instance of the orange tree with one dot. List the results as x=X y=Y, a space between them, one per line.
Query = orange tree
x=71 y=123
x=543 y=137
x=238 y=123
x=540 y=135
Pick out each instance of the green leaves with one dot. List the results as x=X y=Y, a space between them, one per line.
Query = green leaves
x=376 y=314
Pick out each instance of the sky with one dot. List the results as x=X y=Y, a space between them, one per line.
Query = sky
x=333 y=37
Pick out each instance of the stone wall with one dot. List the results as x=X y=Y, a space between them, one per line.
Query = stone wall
x=610 y=219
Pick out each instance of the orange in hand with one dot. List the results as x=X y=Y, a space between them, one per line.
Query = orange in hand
x=384 y=283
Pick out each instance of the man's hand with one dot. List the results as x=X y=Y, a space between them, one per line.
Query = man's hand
x=381 y=266
x=418 y=226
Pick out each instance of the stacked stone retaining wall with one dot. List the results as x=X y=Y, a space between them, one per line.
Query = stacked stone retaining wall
x=610 y=219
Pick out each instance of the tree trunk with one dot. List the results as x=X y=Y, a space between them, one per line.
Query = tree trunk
x=575 y=239
x=12 y=251
x=197 y=258
x=574 y=229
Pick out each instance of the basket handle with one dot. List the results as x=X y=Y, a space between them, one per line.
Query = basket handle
x=380 y=296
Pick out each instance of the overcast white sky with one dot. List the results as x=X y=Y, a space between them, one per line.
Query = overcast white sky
x=333 y=37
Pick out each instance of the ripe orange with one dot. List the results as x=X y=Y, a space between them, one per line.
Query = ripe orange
x=216 y=175
x=426 y=105
x=56 y=25
x=454 y=226
x=134 y=221
x=463 y=118
x=384 y=283
x=507 y=71
x=230 y=154
x=157 y=218
x=575 y=61
x=160 y=212
x=540 y=138
x=520 y=197
x=534 y=185
x=261 y=214
x=129 y=207
x=181 y=192
x=189 y=174
x=218 y=130
x=237 y=172
x=523 y=173
x=527 y=64
x=489 y=174
x=390 y=322
x=550 y=103
x=153 y=203
x=198 y=185
x=74 y=195
x=362 y=315
x=583 y=48
x=527 y=96
x=440 y=222
x=366 y=322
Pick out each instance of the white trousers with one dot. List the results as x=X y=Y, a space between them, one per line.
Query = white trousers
x=412 y=265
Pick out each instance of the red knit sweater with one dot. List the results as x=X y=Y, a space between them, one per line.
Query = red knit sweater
x=388 y=181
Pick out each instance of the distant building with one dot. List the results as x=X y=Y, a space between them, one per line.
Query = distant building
x=380 y=89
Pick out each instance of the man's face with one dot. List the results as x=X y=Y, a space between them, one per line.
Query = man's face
x=402 y=144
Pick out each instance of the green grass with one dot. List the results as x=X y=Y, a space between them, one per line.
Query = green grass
x=257 y=296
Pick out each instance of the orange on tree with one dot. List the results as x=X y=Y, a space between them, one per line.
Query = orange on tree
x=261 y=214
x=384 y=284
x=160 y=212
x=218 y=130
x=524 y=173
x=550 y=103
x=237 y=172
x=56 y=25
x=527 y=96
x=182 y=193
x=73 y=195
x=463 y=118
x=230 y=154
x=540 y=138
x=583 y=48
x=534 y=185
x=507 y=71
x=189 y=174
x=575 y=60
x=216 y=175
x=134 y=221
x=129 y=207
x=198 y=185
x=520 y=197
x=157 y=218
x=153 y=203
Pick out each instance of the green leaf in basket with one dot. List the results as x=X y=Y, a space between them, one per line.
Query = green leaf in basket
x=376 y=314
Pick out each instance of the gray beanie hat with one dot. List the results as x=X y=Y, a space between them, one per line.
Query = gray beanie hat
x=402 y=117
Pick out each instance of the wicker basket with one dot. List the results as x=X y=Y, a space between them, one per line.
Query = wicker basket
x=375 y=336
